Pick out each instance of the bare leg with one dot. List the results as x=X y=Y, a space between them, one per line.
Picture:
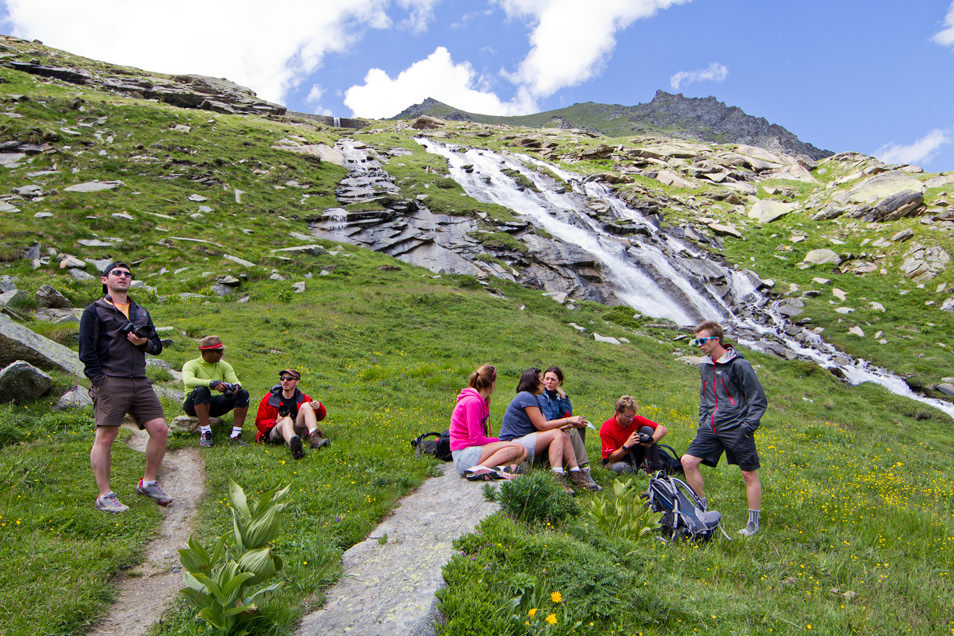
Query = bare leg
x=502 y=453
x=285 y=427
x=238 y=415
x=100 y=455
x=155 y=447
x=690 y=465
x=753 y=489
x=306 y=418
x=569 y=455
x=202 y=412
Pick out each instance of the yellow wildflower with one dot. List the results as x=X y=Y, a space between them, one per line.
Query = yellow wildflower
x=532 y=612
x=551 y=618
x=556 y=597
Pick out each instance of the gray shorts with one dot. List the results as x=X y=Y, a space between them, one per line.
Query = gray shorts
x=529 y=442
x=466 y=458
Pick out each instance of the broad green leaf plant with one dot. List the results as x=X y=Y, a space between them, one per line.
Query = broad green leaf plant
x=225 y=585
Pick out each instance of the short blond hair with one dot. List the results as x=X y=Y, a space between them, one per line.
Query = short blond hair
x=626 y=403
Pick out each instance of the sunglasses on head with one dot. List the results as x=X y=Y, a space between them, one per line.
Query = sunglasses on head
x=699 y=341
x=121 y=273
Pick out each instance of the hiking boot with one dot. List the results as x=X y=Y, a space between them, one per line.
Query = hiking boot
x=295 y=445
x=583 y=480
x=205 y=439
x=481 y=473
x=237 y=441
x=562 y=482
x=154 y=492
x=748 y=531
x=315 y=440
x=110 y=503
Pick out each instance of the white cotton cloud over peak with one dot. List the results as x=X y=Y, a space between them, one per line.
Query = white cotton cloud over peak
x=238 y=39
x=435 y=76
x=715 y=72
x=569 y=43
x=945 y=37
x=922 y=150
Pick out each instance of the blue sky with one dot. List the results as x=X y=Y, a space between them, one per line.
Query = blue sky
x=873 y=77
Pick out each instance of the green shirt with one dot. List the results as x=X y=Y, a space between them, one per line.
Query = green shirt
x=198 y=372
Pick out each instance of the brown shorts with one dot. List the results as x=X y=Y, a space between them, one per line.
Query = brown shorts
x=114 y=397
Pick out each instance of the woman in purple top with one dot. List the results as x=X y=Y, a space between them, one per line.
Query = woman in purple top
x=476 y=455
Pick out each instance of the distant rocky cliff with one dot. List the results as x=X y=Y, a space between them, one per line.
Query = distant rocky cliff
x=674 y=115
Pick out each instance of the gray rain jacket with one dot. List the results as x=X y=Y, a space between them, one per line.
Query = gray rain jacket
x=731 y=394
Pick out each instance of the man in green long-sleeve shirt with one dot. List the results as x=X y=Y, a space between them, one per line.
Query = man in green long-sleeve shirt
x=209 y=373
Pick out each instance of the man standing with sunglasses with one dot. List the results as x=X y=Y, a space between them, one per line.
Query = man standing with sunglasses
x=731 y=404
x=115 y=336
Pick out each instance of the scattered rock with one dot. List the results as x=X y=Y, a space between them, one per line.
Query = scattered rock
x=856 y=331
x=191 y=424
x=298 y=287
x=767 y=210
x=20 y=381
x=93 y=186
x=821 y=256
x=606 y=339
x=922 y=263
x=48 y=297
x=76 y=398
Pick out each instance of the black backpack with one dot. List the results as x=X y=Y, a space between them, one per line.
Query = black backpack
x=665 y=459
x=439 y=448
x=684 y=516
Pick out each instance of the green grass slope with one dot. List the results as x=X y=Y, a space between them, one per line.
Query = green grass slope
x=858 y=519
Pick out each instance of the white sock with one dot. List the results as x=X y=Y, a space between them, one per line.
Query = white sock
x=146 y=484
x=575 y=469
x=205 y=429
x=236 y=431
x=558 y=470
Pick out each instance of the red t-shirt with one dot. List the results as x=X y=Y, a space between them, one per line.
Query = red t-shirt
x=612 y=437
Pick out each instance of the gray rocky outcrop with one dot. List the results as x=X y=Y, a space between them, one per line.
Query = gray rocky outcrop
x=19 y=343
x=924 y=262
x=22 y=382
x=767 y=210
x=49 y=298
x=76 y=398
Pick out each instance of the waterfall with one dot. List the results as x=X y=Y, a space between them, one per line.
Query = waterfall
x=336 y=122
x=654 y=272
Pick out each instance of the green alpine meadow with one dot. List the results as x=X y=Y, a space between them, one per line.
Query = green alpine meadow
x=857 y=523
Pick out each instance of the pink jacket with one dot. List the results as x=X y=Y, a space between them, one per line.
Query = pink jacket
x=469 y=426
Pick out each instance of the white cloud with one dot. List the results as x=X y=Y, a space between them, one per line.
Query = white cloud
x=570 y=42
x=421 y=13
x=922 y=150
x=268 y=48
x=714 y=73
x=945 y=37
x=314 y=95
x=435 y=76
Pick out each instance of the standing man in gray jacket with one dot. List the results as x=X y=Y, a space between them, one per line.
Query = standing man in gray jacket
x=731 y=404
x=115 y=336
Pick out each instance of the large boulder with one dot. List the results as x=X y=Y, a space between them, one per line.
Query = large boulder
x=883 y=186
x=19 y=343
x=21 y=382
x=767 y=210
x=48 y=298
x=76 y=398
x=821 y=257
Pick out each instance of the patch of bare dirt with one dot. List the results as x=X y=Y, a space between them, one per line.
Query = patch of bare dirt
x=145 y=591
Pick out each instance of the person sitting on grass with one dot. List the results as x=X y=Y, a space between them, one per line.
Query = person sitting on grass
x=523 y=422
x=208 y=373
x=630 y=441
x=477 y=456
x=285 y=415
x=556 y=408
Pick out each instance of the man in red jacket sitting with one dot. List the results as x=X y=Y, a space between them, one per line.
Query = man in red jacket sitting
x=629 y=440
x=285 y=415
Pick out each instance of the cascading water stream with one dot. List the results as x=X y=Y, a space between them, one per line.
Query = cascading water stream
x=637 y=267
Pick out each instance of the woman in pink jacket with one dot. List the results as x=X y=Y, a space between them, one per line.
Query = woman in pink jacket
x=477 y=456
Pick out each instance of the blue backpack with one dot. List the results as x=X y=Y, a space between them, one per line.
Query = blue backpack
x=684 y=516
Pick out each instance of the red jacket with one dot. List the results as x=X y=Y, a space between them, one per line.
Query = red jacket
x=268 y=410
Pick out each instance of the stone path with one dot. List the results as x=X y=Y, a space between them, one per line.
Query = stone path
x=148 y=589
x=388 y=587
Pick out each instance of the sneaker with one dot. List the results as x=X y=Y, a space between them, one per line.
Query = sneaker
x=482 y=473
x=562 y=481
x=205 y=439
x=315 y=440
x=583 y=480
x=295 y=445
x=237 y=441
x=154 y=492
x=513 y=470
x=748 y=531
x=110 y=503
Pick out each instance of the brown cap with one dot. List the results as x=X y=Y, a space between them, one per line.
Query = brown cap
x=210 y=343
x=290 y=372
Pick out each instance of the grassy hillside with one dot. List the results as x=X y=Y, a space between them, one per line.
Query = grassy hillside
x=858 y=520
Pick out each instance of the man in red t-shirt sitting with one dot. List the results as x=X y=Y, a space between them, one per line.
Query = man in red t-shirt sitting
x=629 y=440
